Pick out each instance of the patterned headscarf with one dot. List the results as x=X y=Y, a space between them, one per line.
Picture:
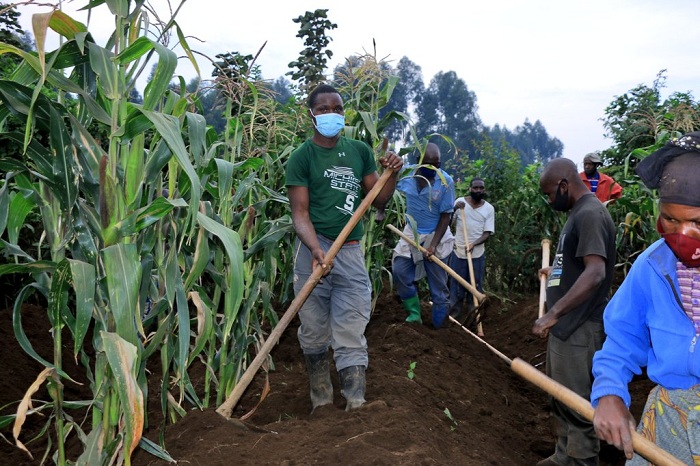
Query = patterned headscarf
x=674 y=170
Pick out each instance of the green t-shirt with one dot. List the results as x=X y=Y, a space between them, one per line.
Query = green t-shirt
x=333 y=177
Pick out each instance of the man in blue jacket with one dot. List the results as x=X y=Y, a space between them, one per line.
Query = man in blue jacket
x=430 y=197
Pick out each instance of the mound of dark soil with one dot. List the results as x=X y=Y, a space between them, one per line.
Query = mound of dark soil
x=463 y=406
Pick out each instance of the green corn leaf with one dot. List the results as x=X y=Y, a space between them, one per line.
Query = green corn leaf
x=200 y=259
x=89 y=151
x=169 y=127
x=197 y=132
x=279 y=228
x=368 y=120
x=84 y=282
x=155 y=341
x=102 y=63
x=135 y=51
x=21 y=203
x=31 y=267
x=225 y=177
x=186 y=47
x=123 y=273
x=157 y=159
x=172 y=272
x=159 y=83
x=119 y=8
x=58 y=297
x=133 y=171
x=122 y=357
x=234 y=251
x=183 y=319
x=19 y=331
x=65 y=179
x=4 y=203
x=155 y=450
x=147 y=216
x=86 y=247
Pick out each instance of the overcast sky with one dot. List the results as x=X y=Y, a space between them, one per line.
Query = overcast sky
x=558 y=61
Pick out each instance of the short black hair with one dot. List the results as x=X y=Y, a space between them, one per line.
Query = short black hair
x=476 y=178
x=320 y=89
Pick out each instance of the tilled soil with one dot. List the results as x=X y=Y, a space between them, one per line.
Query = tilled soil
x=463 y=405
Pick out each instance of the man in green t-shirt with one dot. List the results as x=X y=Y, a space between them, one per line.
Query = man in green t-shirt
x=326 y=177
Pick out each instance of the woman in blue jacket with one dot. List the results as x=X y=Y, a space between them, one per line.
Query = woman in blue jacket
x=653 y=320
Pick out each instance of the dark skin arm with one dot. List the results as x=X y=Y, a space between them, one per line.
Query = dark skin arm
x=481 y=239
x=299 y=202
x=614 y=423
x=593 y=274
x=442 y=225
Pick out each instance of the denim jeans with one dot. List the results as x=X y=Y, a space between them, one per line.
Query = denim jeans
x=404 y=271
x=457 y=292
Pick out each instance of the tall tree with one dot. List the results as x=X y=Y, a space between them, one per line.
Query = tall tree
x=311 y=65
x=282 y=89
x=449 y=108
x=405 y=97
x=635 y=119
x=10 y=33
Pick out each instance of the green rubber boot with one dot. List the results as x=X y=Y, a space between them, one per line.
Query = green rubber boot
x=412 y=306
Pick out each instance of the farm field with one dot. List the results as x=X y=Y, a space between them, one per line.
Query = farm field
x=495 y=417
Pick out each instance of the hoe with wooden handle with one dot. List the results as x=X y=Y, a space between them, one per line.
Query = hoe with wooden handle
x=227 y=406
x=573 y=400
x=543 y=280
x=479 y=295
x=479 y=328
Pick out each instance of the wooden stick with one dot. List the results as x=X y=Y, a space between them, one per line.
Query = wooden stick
x=480 y=296
x=543 y=280
x=643 y=446
x=479 y=328
x=227 y=406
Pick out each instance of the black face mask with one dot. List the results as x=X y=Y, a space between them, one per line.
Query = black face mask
x=427 y=172
x=561 y=201
x=477 y=196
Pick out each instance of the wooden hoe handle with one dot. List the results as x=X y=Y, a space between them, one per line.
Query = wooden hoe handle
x=543 y=280
x=465 y=231
x=643 y=446
x=480 y=296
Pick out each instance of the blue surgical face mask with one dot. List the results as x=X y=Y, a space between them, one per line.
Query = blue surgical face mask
x=329 y=124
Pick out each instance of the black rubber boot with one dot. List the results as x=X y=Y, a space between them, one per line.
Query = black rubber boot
x=352 y=386
x=318 y=367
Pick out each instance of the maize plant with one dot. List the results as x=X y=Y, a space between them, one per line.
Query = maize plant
x=156 y=233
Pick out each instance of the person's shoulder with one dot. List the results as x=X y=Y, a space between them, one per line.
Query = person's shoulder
x=302 y=148
x=355 y=143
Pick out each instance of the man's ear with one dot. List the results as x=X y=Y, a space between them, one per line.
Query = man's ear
x=564 y=185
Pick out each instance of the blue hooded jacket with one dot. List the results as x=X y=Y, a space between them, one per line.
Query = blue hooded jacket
x=645 y=325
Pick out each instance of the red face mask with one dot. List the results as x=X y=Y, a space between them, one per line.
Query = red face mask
x=686 y=248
